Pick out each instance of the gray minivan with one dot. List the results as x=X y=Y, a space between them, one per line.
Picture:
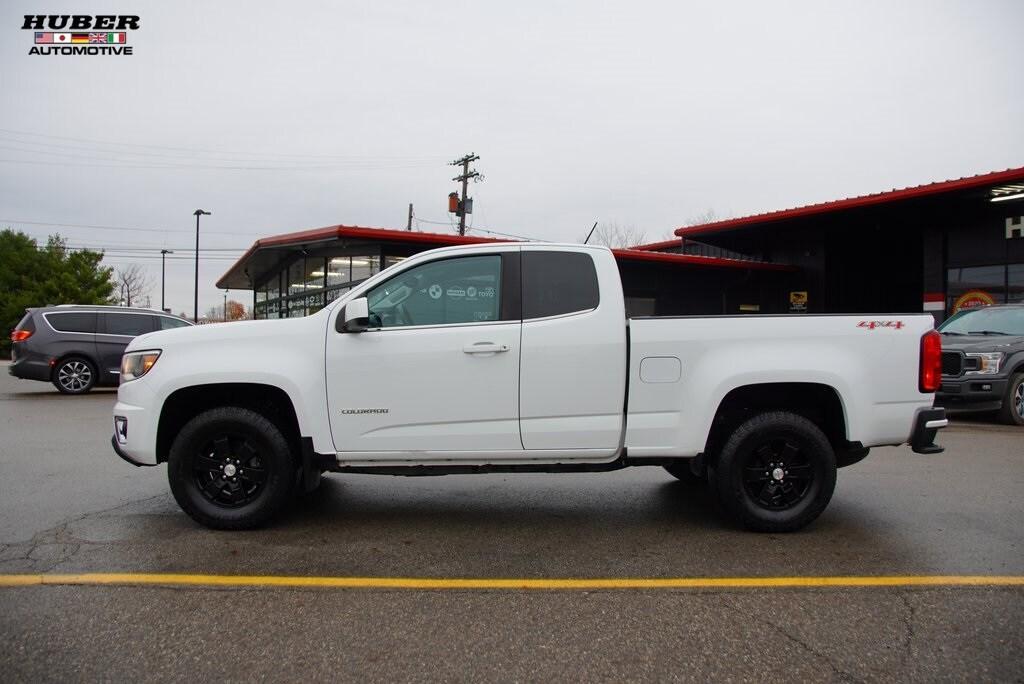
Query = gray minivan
x=78 y=347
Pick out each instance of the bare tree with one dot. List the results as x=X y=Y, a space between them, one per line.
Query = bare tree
x=614 y=234
x=709 y=215
x=132 y=284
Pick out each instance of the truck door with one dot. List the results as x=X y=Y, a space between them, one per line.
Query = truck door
x=438 y=370
x=573 y=374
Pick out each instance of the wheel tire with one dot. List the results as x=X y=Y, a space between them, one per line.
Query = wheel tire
x=1012 y=412
x=74 y=375
x=682 y=470
x=780 y=444
x=207 y=462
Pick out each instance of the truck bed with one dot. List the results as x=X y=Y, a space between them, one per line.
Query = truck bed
x=682 y=368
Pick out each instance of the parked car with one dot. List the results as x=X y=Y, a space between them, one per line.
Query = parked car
x=983 y=361
x=520 y=358
x=79 y=347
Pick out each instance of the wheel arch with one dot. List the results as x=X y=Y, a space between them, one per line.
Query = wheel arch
x=272 y=402
x=73 y=354
x=819 y=403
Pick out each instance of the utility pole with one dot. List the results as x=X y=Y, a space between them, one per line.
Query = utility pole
x=163 y=276
x=465 y=204
x=195 y=309
x=408 y=223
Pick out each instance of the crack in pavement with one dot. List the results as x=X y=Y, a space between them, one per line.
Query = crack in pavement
x=839 y=672
x=908 y=624
x=50 y=548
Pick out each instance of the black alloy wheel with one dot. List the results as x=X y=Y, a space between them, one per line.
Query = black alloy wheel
x=778 y=475
x=231 y=468
x=775 y=473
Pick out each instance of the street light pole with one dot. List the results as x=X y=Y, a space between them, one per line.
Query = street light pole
x=195 y=307
x=163 y=276
x=225 y=306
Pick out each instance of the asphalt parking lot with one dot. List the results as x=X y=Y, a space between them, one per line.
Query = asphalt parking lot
x=69 y=505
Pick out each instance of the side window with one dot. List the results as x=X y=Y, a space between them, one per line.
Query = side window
x=167 y=323
x=81 y=321
x=128 y=324
x=557 y=283
x=459 y=290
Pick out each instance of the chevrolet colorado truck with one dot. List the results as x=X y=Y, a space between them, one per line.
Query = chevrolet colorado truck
x=513 y=357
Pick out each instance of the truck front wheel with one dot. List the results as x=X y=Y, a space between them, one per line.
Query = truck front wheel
x=230 y=469
x=776 y=473
x=1012 y=412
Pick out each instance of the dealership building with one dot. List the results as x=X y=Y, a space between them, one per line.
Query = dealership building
x=296 y=274
x=937 y=248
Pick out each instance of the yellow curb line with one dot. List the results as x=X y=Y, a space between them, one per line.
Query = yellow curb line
x=170 y=579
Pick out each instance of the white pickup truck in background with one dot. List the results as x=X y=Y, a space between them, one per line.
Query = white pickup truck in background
x=520 y=358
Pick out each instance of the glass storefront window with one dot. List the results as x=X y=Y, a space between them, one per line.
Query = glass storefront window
x=339 y=270
x=334 y=294
x=364 y=266
x=1015 y=283
x=314 y=302
x=314 y=273
x=975 y=286
x=297 y=278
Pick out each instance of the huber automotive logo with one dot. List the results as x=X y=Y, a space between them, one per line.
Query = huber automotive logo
x=80 y=34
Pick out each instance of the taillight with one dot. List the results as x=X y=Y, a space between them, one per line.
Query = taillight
x=931 y=362
x=20 y=335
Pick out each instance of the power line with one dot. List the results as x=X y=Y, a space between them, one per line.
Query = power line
x=133 y=228
x=63 y=164
x=206 y=151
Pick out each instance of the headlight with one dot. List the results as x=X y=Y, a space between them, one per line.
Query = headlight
x=988 y=363
x=136 y=364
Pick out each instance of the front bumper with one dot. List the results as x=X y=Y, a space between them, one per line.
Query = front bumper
x=971 y=394
x=927 y=423
x=134 y=423
x=120 y=452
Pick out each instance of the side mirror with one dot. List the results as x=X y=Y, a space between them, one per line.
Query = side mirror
x=355 y=317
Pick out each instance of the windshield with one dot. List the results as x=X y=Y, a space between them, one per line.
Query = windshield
x=1009 y=321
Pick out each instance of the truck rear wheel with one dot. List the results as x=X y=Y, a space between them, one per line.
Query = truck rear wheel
x=776 y=473
x=231 y=469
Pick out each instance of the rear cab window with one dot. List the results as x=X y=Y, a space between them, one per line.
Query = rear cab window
x=72 y=321
x=558 y=283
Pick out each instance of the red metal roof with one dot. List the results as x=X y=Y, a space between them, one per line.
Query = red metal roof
x=896 y=195
x=664 y=244
x=635 y=254
x=316 y=235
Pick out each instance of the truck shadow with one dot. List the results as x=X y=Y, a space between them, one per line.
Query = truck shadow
x=639 y=523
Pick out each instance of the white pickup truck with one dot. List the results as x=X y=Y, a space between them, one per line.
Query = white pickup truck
x=520 y=358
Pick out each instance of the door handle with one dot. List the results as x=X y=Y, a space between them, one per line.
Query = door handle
x=485 y=348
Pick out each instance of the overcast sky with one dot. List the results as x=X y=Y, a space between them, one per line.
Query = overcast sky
x=647 y=114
